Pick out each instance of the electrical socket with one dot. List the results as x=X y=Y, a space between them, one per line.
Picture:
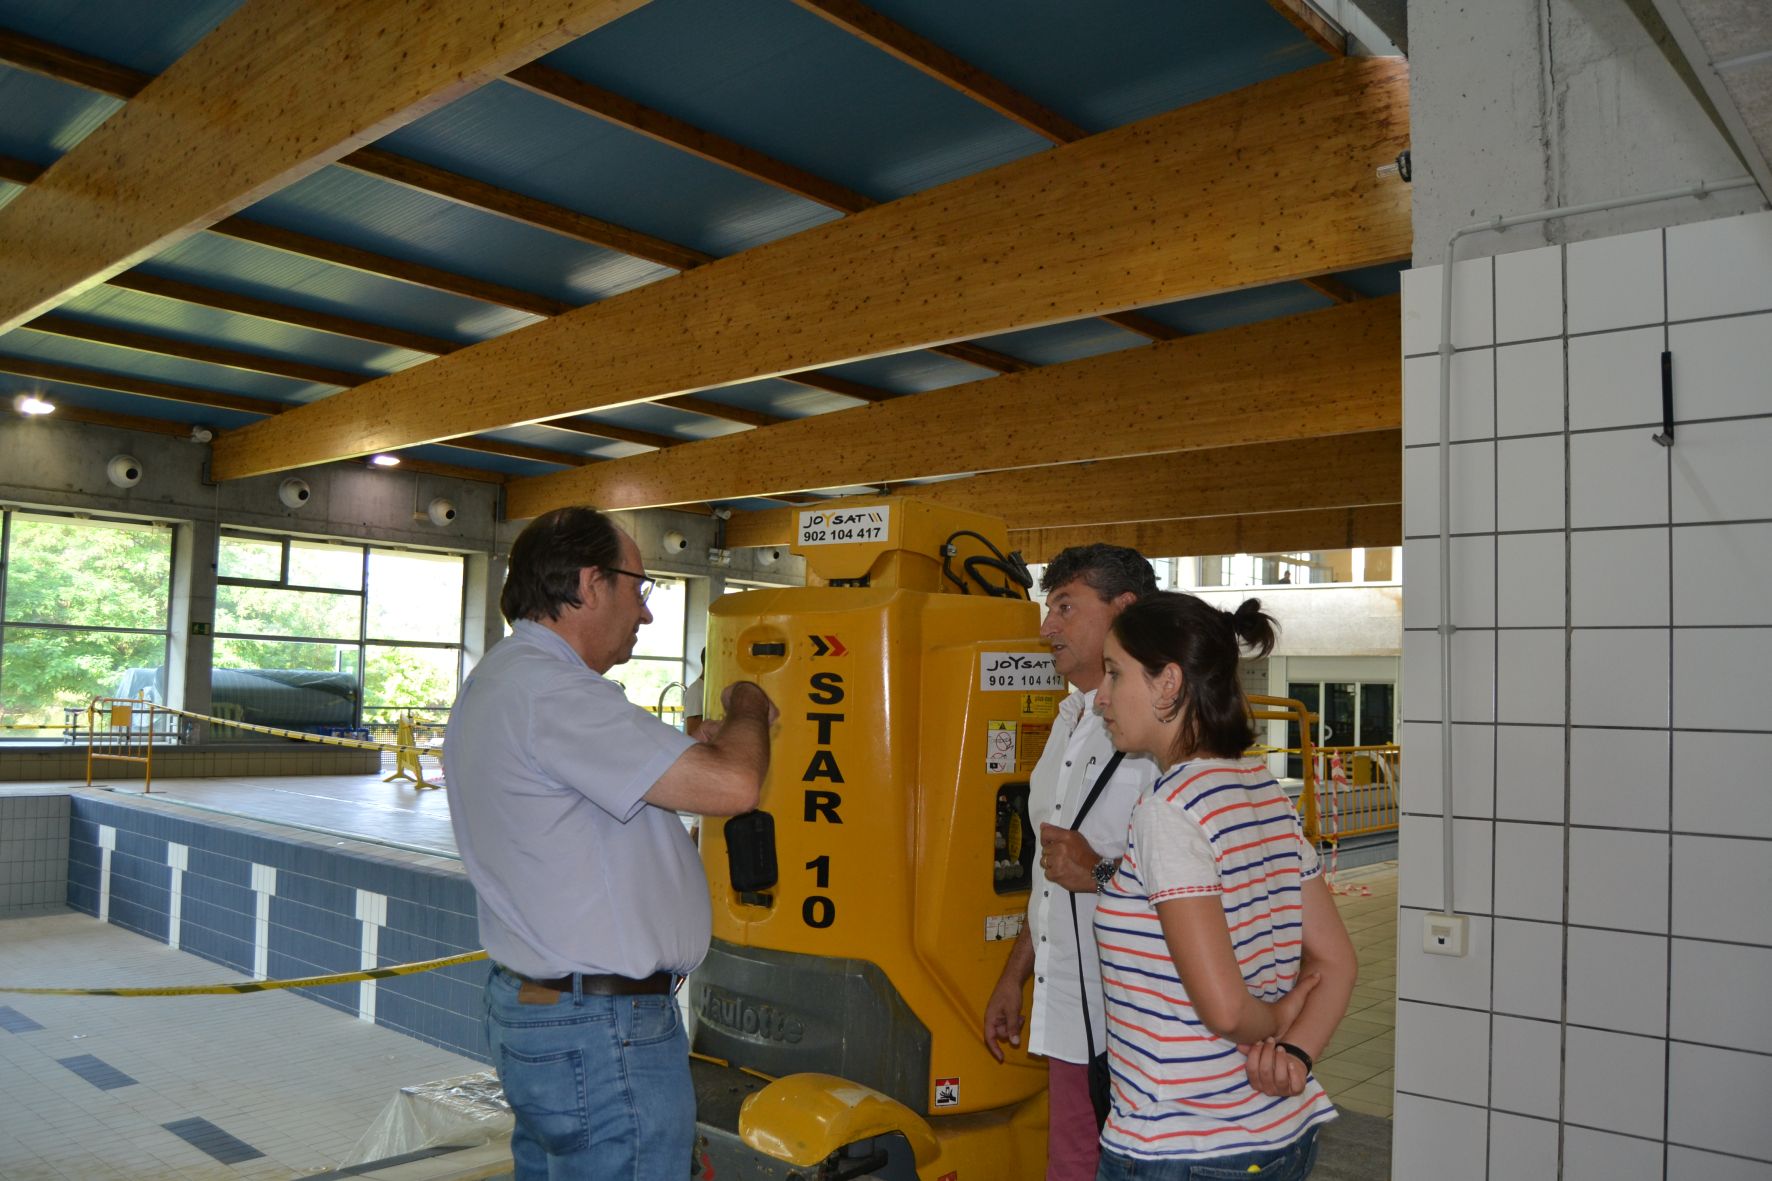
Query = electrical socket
x=1445 y=934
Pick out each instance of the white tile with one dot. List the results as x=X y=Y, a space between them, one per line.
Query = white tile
x=1473 y=489
x=1473 y=313
x=1618 y=880
x=1717 y=1098
x=1473 y=397
x=1618 y=777
x=1619 y=578
x=1722 y=677
x=1618 y=678
x=1724 y=784
x=1720 y=368
x=1420 y=876
x=1615 y=282
x=1685 y=1162
x=1529 y=492
x=1614 y=1081
x=1530 y=590
x=1723 y=574
x=1617 y=478
x=1521 y=1147
x=1528 y=773
x=1439 y=979
x=1442 y=1052
x=1473 y=769
x=1709 y=1001
x=1529 y=871
x=1618 y=981
x=1528 y=1065
x=1473 y=676
x=1720 y=471
x=1615 y=379
x=1436 y=1141
x=1529 y=388
x=1529 y=294
x=1529 y=676
x=1601 y=1156
x=1473 y=581
x=1719 y=267
x=1721 y=886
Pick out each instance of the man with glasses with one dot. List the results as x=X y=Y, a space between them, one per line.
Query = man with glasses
x=592 y=901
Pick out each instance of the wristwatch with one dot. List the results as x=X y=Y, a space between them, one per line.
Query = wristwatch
x=1103 y=872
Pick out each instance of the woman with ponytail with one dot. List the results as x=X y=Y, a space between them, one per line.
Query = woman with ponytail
x=1224 y=963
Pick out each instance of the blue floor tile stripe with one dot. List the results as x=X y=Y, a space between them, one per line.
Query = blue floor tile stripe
x=13 y=1021
x=201 y=1134
x=98 y=1072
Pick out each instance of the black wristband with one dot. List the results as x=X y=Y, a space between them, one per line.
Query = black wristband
x=1297 y=1053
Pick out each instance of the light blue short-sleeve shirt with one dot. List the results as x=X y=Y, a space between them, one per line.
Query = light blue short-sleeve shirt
x=548 y=764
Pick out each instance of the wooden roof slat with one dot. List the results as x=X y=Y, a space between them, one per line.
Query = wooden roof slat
x=920 y=53
x=1301 y=197
x=830 y=383
x=165 y=346
x=1254 y=533
x=1334 y=288
x=370 y=263
x=519 y=451
x=1327 y=372
x=721 y=410
x=1307 y=20
x=1144 y=326
x=121 y=383
x=531 y=211
x=70 y=66
x=667 y=129
x=274 y=93
x=264 y=309
x=455 y=471
x=128 y=422
x=604 y=430
x=1347 y=471
x=984 y=358
x=19 y=172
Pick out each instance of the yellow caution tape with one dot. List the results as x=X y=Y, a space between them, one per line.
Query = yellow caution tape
x=301 y=735
x=466 y=957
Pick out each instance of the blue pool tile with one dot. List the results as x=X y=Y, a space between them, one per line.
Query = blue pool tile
x=201 y=1134
x=99 y=1073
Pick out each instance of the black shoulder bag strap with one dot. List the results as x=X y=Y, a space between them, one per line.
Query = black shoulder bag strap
x=1101 y=781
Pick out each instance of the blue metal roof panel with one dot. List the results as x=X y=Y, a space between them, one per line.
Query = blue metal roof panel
x=143 y=36
x=782 y=81
x=777 y=396
x=910 y=373
x=22 y=342
x=1071 y=341
x=443 y=453
x=1384 y=279
x=265 y=273
x=542 y=435
x=204 y=325
x=370 y=214
x=1231 y=309
x=44 y=118
x=532 y=145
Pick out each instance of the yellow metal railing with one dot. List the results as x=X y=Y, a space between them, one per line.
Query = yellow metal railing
x=1348 y=790
x=123 y=730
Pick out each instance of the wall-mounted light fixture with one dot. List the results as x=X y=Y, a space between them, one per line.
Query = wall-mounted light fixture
x=384 y=460
x=31 y=404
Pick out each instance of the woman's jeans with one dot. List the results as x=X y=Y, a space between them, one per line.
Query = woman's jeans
x=1291 y=1163
x=599 y=1085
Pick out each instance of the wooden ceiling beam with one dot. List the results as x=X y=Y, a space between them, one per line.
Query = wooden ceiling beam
x=519 y=451
x=278 y=313
x=938 y=266
x=124 y=384
x=673 y=132
x=984 y=358
x=1332 y=287
x=1254 y=533
x=949 y=69
x=1304 y=17
x=300 y=86
x=529 y=211
x=1349 y=471
x=128 y=422
x=1320 y=373
x=166 y=346
x=419 y=275
x=70 y=66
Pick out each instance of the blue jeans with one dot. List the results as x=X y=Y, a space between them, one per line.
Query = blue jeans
x=599 y=1085
x=1292 y=1163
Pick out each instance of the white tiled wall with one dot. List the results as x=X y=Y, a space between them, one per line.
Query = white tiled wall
x=1612 y=701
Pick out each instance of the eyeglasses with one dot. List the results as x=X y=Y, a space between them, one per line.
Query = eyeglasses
x=646 y=582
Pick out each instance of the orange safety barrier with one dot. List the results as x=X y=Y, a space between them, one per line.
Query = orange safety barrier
x=129 y=729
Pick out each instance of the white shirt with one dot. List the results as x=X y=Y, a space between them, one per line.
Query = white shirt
x=1075 y=756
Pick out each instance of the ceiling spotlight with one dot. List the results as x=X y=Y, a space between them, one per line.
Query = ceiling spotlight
x=385 y=460
x=32 y=404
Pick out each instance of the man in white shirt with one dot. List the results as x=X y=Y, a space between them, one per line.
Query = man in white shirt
x=1086 y=586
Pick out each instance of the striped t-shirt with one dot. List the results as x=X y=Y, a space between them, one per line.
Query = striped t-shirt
x=1211 y=826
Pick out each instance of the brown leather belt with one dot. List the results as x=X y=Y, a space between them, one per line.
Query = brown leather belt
x=532 y=991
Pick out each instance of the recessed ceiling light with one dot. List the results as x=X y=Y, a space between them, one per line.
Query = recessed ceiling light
x=32 y=404
x=385 y=460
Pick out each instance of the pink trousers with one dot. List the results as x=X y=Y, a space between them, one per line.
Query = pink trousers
x=1073 y=1146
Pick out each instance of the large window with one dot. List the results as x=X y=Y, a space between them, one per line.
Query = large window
x=1353 y=713
x=658 y=653
x=318 y=635
x=84 y=610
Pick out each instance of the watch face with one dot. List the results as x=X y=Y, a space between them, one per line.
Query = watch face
x=1104 y=872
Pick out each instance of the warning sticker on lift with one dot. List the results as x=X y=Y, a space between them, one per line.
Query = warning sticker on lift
x=998 y=927
x=1033 y=742
x=843 y=526
x=1039 y=705
x=1000 y=743
x=1018 y=671
x=947 y=1092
